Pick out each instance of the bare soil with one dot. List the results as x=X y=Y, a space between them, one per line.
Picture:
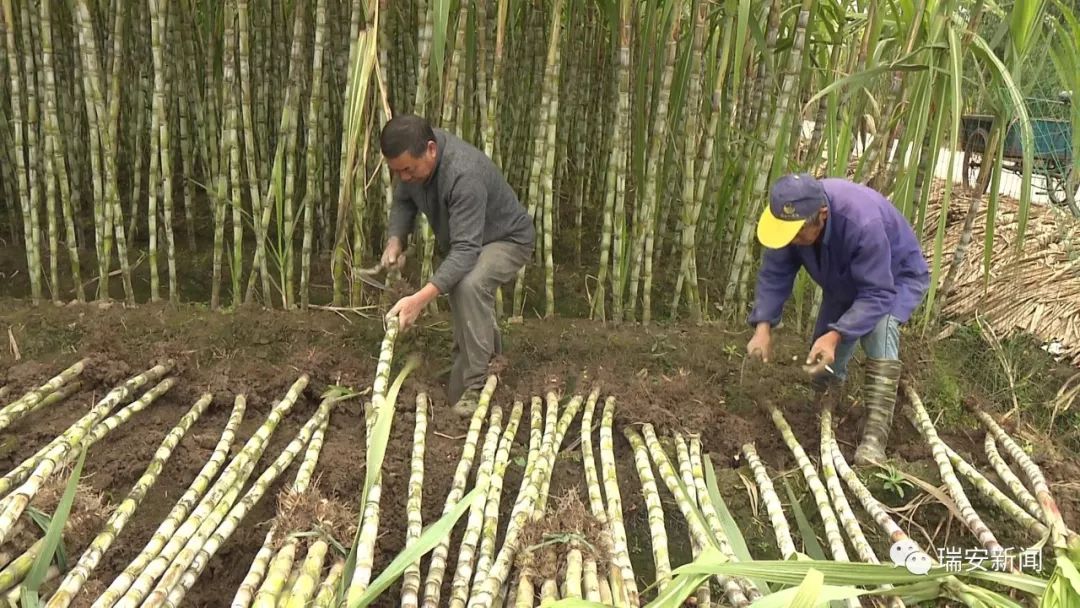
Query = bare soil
x=689 y=379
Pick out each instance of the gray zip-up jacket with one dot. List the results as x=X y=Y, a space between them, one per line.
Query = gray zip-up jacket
x=468 y=204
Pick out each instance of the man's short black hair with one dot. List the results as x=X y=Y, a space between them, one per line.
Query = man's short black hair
x=406 y=133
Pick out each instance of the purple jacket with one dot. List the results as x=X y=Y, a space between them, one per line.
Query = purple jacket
x=868 y=263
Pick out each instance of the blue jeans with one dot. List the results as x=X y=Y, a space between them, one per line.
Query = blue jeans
x=883 y=342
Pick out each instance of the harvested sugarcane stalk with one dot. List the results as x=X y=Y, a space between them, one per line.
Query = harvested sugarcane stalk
x=920 y=419
x=437 y=564
x=281 y=566
x=98 y=432
x=459 y=586
x=201 y=482
x=1010 y=479
x=410 y=581
x=12 y=414
x=381 y=399
x=872 y=506
x=686 y=469
x=65 y=450
x=523 y=598
x=658 y=538
x=821 y=496
x=596 y=498
x=733 y=587
x=624 y=592
x=328 y=594
x=87 y=513
x=843 y=507
x=33 y=400
x=1060 y=533
x=132 y=585
x=494 y=496
x=563 y=426
x=185 y=570
x=485 y=593
x=836 y=492
x=773 y=506
x=74 y=580
x=985 y=487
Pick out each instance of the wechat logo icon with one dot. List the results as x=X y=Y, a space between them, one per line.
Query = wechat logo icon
x=907 y=554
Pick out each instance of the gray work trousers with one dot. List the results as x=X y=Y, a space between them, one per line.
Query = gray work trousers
x=472 y=304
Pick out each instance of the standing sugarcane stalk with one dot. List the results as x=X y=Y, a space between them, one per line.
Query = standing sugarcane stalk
x=772 y=503
x=821 y=497
x=1010 y=479
x=23 y=184
x=253 y=168
x=920 y=419
x=73 y=582
x=410 y=582
x=615 y=181
x=312 y=148
x=733 y=588
x=437 y=565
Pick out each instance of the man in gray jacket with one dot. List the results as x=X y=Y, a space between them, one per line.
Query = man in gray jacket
x=482 y=231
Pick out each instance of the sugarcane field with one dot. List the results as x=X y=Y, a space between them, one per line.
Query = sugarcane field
x=508 y=303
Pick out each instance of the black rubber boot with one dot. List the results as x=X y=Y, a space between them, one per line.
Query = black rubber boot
x=882 y=379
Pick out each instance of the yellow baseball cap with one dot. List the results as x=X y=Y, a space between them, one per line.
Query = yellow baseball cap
x=793 y=199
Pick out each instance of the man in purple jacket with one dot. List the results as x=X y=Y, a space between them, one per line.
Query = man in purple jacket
x=863 y=253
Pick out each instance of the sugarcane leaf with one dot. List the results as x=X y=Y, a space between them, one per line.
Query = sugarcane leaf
x=676 y=592
x=791 y=572
x=727 y=522
x=806 y=531
x=576 y=603
x=1027 y=136
x=812 y=592
x=1068 y=571
x=427 y=540
x=1022 y=582
x=34 y=579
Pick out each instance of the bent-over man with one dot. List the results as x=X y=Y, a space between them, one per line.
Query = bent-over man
x=481 y=229
x=856 y=245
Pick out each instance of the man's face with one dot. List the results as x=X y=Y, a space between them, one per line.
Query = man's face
x=811 y=230
x=414 y=169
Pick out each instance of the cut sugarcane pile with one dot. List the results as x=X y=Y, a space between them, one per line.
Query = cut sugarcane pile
x=551 y=549
x=519 y=544
x=214 y=505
